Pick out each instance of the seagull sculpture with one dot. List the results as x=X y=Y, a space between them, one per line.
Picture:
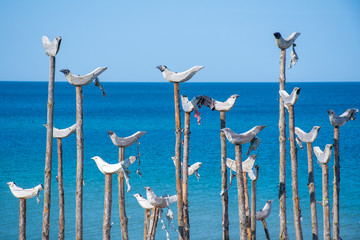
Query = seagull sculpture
x=290 y=100
x=338 y=121
x=227 y=105
x=307 y=137
x=294 y=56
x=178 y=77
x=242 y=138
x=285 y=43
x=51 y=48
x=143 y=202
x=323 y=157
x=247 y=166
x=160 y=202
x=63 y=133
x=125 y=141
x=22 y=193
x=192 y=168
x=188 y=106
x=265 y=212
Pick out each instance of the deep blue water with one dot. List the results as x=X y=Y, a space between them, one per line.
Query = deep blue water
x=130 y=107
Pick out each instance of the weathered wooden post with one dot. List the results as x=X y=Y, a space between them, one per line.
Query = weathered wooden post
x=323 y=158
x=253 y=204
x=176 y=78
x=22 y=195
x=78 y=82
x=51 y=49
x=122 y=143
x=289 y=101
x=283 y=45
x=309 y=138
x=146 y=222
x=337 y=122
x=154 y=218
x=262 y=215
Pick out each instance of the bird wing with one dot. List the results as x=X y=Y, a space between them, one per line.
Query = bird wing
x=171 y=199
x=231 y=164
x=285 y=96
x=85 y=79
x=293 y=36
x=63 y=133
x=318 y=153
x=186 y=104
x=194 y=167
x=127 y=162
x=51 y=48
x=251 y=174
x=182 y=76
x=350 y=113
x=248 y=164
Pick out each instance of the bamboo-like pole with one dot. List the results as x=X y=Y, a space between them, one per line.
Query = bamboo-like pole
x=61 y=191
x=336 y=185
x=282 y=147
x=185 y=177
x=80 y=163
x=107 y=207
x=247 y=206
x=311 y=185
x=266 y=229
x=146 y=222
x=122 y=212
x=224 y=196
x=294 y=176
x=178 y=161
x=153 y=223
x=241 y=195
x=22 y=219
x=253 y=204
x=49 y=147
x=325 y=201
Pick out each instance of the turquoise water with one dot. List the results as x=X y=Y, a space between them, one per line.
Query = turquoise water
x=130 y=107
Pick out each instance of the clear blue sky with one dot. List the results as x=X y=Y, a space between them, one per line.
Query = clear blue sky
x=232 y=39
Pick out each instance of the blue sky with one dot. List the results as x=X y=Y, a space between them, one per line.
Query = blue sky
x=232 y=39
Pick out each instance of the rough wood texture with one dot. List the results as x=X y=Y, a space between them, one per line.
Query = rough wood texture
x=122 y=212
x=282 y=147
x=146 y=222
x=225 y=196
x=294 y=176
x=336 y=186
x=325 y=201
x=49 y=147
x=80 y=163
x=311 y=185
x=241 y=195
x=185 y=179
x=178 y=161
x=153 y=223
x=266 y=229
x=247 y=206
x=253 y=206
x=61 y=191
x=22 y=219
x=107 y=207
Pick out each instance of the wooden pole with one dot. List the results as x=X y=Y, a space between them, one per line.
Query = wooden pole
x=282 y=147
x=146 y=222
x=224 y=196
x=241 y=195
x=311 y=185
x=266 y=229
x=294 y=177
x=336 y=185
x=325 y=201
x=49 y=147
x=247 y=206
x=253 y=205
x=122 y=212
x=178 y=161
x=22 y=219
x=153 y=223
x=107 y=207
x=61 y=191
x=80 y=163
x=185 y=176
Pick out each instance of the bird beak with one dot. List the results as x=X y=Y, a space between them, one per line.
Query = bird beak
x=110 y=132
x=161 y=68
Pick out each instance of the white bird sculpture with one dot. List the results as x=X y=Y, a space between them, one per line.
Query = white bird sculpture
x=63 y=133
x=285 y=43
x=227 y=105
x=323 y=157
x=178 y=77
x=247 y=166
x=265 y=212
x=307 y=137
x=290 y=100
x=338 y=121
x=143 y=202
x=125 y=141
x=254 y=174
x=188 y=106
x=22 y=193
x=294 y=56
x=192 y=168
x=51 y=48
x=160 y=202
x=242 y=138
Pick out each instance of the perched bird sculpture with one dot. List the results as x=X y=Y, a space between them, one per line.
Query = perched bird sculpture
x=227 y=105
x=285 y=43
x=307 y=137
x=125 y=141
x=63 y=133
x=294 y=56
x=192 y=168
x=51 y=48
x=254 y=144
x=188 y=106
x=242 y=138
x=338 y=121
x=247 y=166
x=143 y=202
x=254 y=174
x=323 y=157
x=22 y=193
x=265 y=212
x=178 y=77
x=290 y=100
x=160 y=202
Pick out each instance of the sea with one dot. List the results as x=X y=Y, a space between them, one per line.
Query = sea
x=131 y=107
